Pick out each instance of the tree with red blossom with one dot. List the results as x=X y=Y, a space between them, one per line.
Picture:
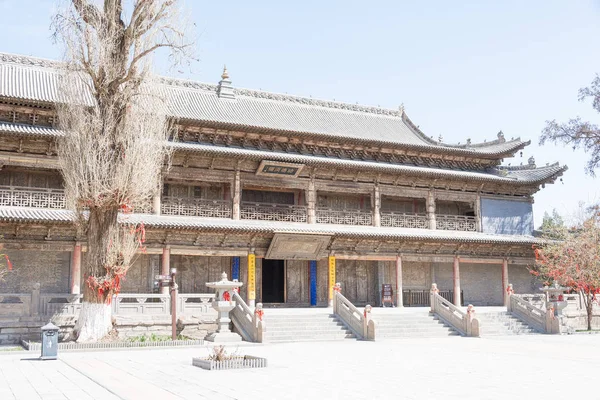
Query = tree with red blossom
x=573 y=261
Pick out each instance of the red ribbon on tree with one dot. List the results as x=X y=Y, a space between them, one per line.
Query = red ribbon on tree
x=8 y=263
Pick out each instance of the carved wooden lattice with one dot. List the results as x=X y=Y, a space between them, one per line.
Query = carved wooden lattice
x=343 y=217
x=404 y=220
x=456 y=223
x=196 y=207
x=273 y=212
x=28 y=197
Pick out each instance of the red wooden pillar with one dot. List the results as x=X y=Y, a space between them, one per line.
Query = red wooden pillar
x=456 y=279
x=76 y=270
x=165 y=267
x=399 y=300
x=505 y=280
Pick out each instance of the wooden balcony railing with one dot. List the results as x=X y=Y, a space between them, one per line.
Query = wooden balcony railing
x=344 y=217
x=17 y=196
x=456 y=223
x=196 y=207
x=404 y=220
x=273 y=212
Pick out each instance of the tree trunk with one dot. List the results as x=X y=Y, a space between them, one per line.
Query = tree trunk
x=589 y=306
x=95 y=318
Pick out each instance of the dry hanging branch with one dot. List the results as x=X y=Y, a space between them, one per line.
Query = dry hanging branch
x=114 y=116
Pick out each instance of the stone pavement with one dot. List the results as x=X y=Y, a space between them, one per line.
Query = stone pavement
x=549 y=367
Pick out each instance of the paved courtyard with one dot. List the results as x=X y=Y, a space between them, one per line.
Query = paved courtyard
x=549 y=367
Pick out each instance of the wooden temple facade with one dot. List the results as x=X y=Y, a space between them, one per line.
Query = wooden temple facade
x=287 y=194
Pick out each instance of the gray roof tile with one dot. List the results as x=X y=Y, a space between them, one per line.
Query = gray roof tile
x=36 y=79
x=32 y=215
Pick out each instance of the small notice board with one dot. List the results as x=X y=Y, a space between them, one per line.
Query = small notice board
x=387 y=295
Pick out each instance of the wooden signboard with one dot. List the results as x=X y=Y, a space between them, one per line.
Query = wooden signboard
x=387 y=294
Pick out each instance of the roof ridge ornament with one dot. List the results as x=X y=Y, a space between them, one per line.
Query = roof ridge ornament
x=501 y=137
x=224 y=88
x=225 y=74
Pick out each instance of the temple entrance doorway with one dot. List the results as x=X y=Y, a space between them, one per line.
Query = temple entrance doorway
x=273 y=281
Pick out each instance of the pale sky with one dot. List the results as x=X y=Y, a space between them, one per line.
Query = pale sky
x=463 y=69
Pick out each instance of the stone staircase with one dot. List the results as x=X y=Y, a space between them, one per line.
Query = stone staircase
x=305 y=328
x=502 y=323
x=410 y=325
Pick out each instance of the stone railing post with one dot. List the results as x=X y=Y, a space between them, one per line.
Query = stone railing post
x=472 y=322
x=434 y=290
x=35 y=300
x=509 y=292
x=366 y=319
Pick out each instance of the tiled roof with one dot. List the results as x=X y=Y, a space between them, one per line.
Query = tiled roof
x=28 y=130
x=36 y=79
x=531 y=176
x=31 y=215
x=518 y=175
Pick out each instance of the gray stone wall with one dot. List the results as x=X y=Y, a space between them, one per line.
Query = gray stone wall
x=442 y=275
x=506 y=217
x=482 y=284
x=523 y=282
x=49 y=268
x=359 y=280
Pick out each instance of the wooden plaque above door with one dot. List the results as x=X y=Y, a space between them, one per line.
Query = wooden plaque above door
x=286 y=246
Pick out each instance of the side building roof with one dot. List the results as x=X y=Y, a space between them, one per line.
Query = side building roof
x=33 y=79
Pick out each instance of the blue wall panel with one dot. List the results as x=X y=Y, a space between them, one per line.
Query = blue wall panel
x=506 y=217
x=313 y=283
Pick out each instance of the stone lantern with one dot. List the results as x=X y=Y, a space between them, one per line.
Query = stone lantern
x=223 y=303
x=555 y=298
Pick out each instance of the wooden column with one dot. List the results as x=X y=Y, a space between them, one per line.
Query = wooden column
x=331 y=280
x=456 y=280
x=76 y=270
x=399 y=299
x=251 y=280
x=376 y=206
x=505 y=280
x=156 y=204
x=312 y=265
x=311 y=197
x=430 y=205
x=165 y=267
x=477 y=210
x=236 y=195
x=380 y=280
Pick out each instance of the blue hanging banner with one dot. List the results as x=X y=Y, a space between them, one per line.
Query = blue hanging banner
x=313 y=283
x=235 y=268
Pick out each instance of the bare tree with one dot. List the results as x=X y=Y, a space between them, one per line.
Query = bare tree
x=114 y=119
x=578 y=133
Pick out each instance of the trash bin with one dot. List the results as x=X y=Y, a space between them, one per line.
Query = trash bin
x=49 y=342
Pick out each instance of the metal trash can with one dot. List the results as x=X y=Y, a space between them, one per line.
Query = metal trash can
x=49 y=342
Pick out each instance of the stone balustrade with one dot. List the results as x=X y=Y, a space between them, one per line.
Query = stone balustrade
x=123 y=304
x=359 y=323
x=249 y=323
x=465 y=323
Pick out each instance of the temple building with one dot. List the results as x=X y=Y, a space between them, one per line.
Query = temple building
x=287 y=194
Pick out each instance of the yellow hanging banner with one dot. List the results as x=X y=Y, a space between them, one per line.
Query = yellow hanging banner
x=331 y=276
x=251 y=276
